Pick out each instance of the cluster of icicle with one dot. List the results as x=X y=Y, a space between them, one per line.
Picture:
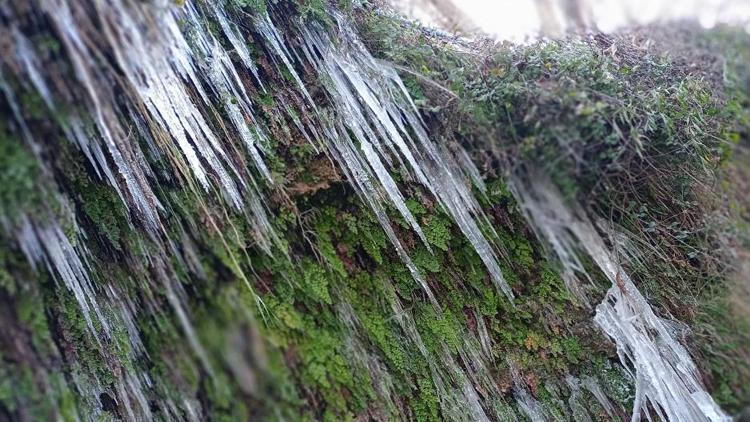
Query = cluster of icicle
x=151 y=72
x=168 y=69
x=167 y=56
x=372 y=104
x=665 y=376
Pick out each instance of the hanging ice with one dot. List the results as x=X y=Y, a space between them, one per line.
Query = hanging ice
x=376 y=122
x=458 y=397
x=666 y=377
x=526 y=402
x=171 y=74
x=49 y=244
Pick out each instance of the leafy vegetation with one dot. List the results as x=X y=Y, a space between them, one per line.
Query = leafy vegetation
x=636 y=134
x=328 y=323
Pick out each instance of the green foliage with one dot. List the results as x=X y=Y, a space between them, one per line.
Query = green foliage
x=29 y=313
x=20 y=187
x=102 y=205
x=427 y=405
x=614 y=381
x=314 y=9
x=592 y=114
x=327 y=297
x=316 y=282
x=437 y=232
x=438 y=329
x=363 y=230
x=256 y=6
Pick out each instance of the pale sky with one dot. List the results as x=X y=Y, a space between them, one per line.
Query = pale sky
x=517 y=20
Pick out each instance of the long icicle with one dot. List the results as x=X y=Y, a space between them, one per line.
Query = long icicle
x=665 y=374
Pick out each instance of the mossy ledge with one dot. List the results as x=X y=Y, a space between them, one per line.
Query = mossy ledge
x=259 y=282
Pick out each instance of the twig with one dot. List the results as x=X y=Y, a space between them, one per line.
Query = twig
x=424 y=79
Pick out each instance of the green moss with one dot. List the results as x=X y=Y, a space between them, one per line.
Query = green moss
x=315 y=10
x=327 y=227
x=266 y=99
x=7 y=282
x=21 y=190
x=323 y=365
x=573 y=107
x=21 y=393
x=364 y=231
x=615 y=383
x=551 y=288
x=315 y=282
x=382 y=333
x=29 y=309
x=519 y=249
x=258 y=7
x=437 y=231
x=7 y=389
x=438 y=329
x=427 y=405
x=107 y=211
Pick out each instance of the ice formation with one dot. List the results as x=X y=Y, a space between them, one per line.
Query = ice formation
x=149 y=82
x=666 y=377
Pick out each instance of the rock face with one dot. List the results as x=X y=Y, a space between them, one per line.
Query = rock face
x=302 y=210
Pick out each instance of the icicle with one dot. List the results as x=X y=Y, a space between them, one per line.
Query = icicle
x=172 y=76
x=93 y=152
x=592 y=385
x=484 y=336
x=16 y=110
x=237 y=107
x=187 y=326
x=574 y=401
x=360 y=176
x=363 y=358
x=193 y=415
x=126 y=310
x=526 y=402
x=373 y=105
x=665 y=374
x=458 y=397
x=27 y=56
x=272 y=36
x=235 y=38
x=468 y=167
x=550 y=222
x=102 y=113
x=474 y=371
x=134 y=386
x=528 y=405
x=49 y=244
x=157 y=81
